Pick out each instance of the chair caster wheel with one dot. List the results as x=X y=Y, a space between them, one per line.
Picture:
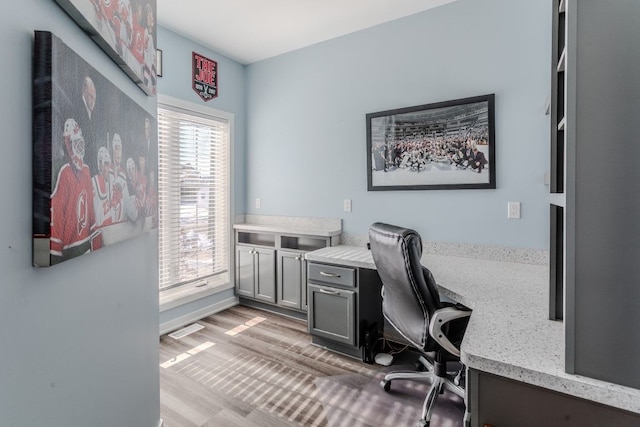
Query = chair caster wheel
x=423 y=423
x=386 y=385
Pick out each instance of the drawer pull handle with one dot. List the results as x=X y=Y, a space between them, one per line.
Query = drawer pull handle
x=322 y=273
x=324 y=291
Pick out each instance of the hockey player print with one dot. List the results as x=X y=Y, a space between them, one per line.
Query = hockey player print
x=84 y=127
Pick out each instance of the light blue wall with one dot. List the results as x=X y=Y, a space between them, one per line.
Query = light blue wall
x=80 y=339
x=176 y=82
x=306 y=120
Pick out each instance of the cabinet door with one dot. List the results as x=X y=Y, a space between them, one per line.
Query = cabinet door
x=332 y=314
x=265 y=278
x=245 y=276
x=290 y=279
x=303 y=287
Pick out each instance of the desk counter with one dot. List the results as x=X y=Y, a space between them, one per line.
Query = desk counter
x=509 y=333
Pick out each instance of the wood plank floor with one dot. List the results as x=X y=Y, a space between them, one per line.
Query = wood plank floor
x=251 y=368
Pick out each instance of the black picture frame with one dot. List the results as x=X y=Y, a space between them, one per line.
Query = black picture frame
x=125 y=30
x=433 y=146
x=159 y=62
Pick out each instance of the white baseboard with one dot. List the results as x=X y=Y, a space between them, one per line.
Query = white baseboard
x=179 y=322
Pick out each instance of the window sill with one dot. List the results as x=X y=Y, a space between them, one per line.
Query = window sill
x=172 y=298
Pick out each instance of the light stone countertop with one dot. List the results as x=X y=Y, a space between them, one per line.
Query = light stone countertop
x=509 y=333
x=287 y=229
x=305 y=226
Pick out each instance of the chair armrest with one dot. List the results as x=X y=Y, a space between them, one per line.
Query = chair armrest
x=439 y=319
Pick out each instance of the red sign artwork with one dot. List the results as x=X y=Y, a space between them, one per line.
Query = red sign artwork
x=205 y=77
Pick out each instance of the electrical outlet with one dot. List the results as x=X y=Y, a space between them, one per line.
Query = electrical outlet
x=347 y=205
x=513 y=210
x=258 y=203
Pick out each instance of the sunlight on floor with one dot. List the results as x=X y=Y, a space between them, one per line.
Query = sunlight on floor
x=195 y=350
x=179 y=358
x=247 y=325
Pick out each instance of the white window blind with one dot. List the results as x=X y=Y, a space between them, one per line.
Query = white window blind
x=193 y=181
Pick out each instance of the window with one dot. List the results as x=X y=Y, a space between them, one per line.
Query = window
x=193 y=187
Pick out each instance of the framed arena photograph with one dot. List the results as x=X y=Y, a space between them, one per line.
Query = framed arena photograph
x=125 y=30
x=95 y=158
x=439 y=146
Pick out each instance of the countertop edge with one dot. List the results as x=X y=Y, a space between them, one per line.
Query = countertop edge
x=586 y=388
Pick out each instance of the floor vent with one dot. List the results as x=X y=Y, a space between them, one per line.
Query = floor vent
x=181 y=333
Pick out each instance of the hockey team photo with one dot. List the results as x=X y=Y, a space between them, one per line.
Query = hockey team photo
x=446 y=145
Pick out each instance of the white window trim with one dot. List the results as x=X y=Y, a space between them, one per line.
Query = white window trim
x=171 y=298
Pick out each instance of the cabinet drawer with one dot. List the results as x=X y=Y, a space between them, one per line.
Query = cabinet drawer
x=332 y=275
x=332 y=314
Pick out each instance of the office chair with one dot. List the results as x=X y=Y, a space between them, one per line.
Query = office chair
x=411 y=305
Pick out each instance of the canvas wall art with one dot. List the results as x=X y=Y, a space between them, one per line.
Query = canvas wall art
x=125 y=30
x=95 y=158
x=440 y=146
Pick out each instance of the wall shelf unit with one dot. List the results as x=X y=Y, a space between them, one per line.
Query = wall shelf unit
x=558 y=164
x=594 y=202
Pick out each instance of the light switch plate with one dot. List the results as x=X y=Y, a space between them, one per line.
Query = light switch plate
x=513 y=210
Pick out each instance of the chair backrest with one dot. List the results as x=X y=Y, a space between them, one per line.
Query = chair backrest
x=410 y=292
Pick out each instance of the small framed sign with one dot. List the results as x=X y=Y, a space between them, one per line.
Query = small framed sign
x=205 y=77
x=158 y=62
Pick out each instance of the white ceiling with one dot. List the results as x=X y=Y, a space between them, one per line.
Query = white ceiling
x=251 y=30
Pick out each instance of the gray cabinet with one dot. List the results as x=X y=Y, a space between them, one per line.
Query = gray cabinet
x=332 y=314
x=255 y=273
x=343 y=303
x=245 y=275
x=271 y=270
x=292 y=280
x=265 y=274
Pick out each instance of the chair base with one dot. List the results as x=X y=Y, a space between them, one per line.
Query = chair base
x=438 y=385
